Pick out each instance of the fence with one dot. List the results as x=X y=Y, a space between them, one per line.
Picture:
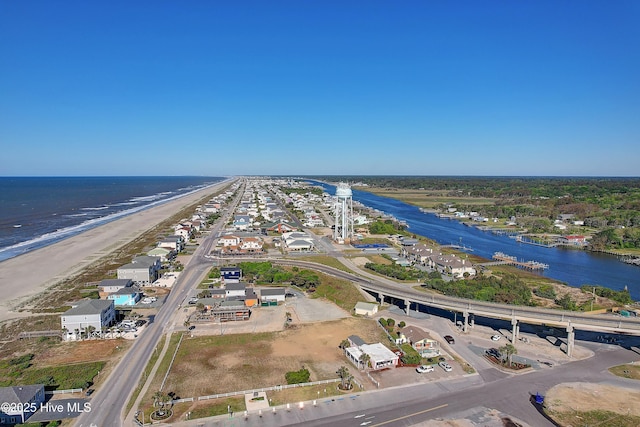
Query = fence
x=37 y=334
x=273 y=388
x=72 y=390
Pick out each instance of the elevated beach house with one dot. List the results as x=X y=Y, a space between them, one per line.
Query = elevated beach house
x=87 y=315
x=143 y=270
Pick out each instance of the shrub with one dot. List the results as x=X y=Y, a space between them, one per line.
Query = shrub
x=298 y=377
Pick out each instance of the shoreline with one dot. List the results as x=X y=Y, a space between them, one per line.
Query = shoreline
x=27 y=275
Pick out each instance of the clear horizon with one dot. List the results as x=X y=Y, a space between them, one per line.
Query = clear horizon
x=520 y=89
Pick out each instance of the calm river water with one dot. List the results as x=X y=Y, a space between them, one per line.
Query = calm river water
x=573 y=267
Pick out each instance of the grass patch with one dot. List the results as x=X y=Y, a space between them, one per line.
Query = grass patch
x=303 y=394
x=328 y=261
x=626 y=371
x=341 y=292
x=216 y=407
x=594 y=418
x=58 y=377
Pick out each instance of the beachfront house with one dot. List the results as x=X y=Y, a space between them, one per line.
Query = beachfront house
x=175 y=243
x=110 y=286
x=87 y=315
x=126 y=296
x=20 y=402
x=143 y=270
x=165 y=254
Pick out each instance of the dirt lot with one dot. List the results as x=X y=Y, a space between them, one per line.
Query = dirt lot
x=587 y=397
x=215 y=364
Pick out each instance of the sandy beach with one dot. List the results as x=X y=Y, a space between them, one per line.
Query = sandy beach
x=23 y=277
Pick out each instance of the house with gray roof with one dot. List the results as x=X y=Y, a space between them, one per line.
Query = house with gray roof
x=273 y=294
x=19 y=403
x=93 y=312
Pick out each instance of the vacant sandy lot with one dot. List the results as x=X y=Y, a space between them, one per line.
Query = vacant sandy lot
x=208 y=365
x=585 y=397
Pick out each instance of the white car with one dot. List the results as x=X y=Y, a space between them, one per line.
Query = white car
x=424 y=368
x=445 y=366
x=495 y=338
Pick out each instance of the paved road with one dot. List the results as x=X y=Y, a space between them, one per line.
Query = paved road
x=456 y=398
x=109 y=402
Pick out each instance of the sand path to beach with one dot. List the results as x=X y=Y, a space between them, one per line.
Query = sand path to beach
x=23 y=277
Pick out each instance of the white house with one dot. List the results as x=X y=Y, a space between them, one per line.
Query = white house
x=234 y=290
x=272 y=294
x=229 y=240
x=251 y=244
x=93 y=312
x=380 y=357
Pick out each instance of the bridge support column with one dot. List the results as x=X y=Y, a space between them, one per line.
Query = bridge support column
x=571 y=335
x=515 y=330
x=472 y=322
x=407 y=305
x=465 y=316
x=381 y=295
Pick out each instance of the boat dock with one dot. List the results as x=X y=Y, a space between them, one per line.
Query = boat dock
x=505 y=259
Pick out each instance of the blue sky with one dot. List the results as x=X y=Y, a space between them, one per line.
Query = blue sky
x=310 y=87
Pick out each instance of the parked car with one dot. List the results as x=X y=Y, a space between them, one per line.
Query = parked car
x=449 y=339
x=495 y=338
x=424 y=369
x=445 y=366
x=192 y=327
x=493 y=352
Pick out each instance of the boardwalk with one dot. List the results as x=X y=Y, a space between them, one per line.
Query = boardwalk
x=511 y=260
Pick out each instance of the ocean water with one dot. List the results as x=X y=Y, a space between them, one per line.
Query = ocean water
x=39 y=211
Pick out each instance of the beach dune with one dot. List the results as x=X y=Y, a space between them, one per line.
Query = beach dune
x=25 y=276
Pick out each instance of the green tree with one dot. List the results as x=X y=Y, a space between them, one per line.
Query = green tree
x=345 y=378
x=508 y=350
x=364 y=360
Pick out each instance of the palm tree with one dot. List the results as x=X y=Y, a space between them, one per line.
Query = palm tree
x=187 y=323
x=344 y=344
x=345 y=378
x=509 y=350
x=364 y=359
x=89 y=330
x=157 y=398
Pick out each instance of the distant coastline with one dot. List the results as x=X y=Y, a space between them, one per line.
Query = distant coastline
x=38 y=212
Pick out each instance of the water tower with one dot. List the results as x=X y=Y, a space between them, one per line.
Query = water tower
x=343 y=211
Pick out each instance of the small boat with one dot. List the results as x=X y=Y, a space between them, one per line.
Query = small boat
x=17 y=226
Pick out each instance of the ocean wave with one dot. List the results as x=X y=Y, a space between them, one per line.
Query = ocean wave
x=76 y=215
x=101 y=208
x=61 y=234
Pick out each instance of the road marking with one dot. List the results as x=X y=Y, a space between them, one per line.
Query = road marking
x=411 y=415
x=359 y=416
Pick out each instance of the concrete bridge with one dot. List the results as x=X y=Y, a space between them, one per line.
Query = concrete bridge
x=568 y=320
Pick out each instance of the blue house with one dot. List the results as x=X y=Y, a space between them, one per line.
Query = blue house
x=126 y=296
x=230 y=274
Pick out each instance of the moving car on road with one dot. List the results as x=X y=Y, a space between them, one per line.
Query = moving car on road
x=495 y=338
x=449 y=339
